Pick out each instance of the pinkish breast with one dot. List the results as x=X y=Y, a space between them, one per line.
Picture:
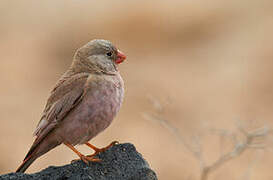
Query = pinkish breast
x=100 y=104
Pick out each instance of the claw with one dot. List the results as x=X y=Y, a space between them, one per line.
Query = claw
x=90 y=158
x=84 y=158
x=98 y=150
x=87 y=159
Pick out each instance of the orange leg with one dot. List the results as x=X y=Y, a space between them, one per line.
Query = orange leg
x=98 y=150
x=84 y=158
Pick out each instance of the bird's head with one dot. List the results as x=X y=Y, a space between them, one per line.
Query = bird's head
x=99 y=55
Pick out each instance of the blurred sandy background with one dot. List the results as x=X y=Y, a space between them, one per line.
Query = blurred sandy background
x=211 y=61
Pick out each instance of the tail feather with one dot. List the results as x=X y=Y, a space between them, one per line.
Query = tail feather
x=38 y=149
x=35 y=150
x=26 y=163
x=42 y=144
x=30 y=157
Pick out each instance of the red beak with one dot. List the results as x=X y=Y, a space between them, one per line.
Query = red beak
x=120 y=57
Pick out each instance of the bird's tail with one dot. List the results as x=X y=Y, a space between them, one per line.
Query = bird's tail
x=26 y=163
x=41 y=145
x=31 y=156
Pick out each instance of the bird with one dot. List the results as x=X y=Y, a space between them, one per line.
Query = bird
x=83 y=103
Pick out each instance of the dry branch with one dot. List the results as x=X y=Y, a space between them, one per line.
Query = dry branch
x=254 y=139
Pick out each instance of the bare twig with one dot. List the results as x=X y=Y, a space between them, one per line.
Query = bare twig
x=171 y=129
x=247 y=174
x=237 y=150
x=252 y=139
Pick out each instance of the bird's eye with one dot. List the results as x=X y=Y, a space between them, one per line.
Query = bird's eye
x=109 y=54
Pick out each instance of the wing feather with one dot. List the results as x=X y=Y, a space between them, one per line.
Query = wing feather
x=64 y=97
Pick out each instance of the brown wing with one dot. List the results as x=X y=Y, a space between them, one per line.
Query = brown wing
x=64 y=97
x=66 y=94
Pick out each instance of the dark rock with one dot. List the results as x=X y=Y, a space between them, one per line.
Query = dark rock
x=121 y=162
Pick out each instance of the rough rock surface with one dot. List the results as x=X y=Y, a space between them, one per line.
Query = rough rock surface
x=121 y=162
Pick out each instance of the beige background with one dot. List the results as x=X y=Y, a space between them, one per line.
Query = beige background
x=209 y=62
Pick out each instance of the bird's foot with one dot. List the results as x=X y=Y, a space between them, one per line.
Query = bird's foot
x=87 y=159
x=91 y=158
x=99 y=150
